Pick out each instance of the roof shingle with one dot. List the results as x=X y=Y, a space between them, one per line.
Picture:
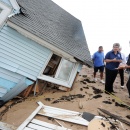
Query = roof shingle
x=53 y=24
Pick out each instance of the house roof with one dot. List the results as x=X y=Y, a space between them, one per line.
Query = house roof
x=50 y=22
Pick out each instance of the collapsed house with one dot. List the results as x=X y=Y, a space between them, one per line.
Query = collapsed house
x=38 y=40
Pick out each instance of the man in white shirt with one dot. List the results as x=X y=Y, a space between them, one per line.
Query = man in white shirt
x=121 y=71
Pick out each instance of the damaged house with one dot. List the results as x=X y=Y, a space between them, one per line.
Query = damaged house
x=38 y=40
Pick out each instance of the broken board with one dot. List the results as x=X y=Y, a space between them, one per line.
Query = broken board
x=64 y=115
x=30 y=123
x=57 y=113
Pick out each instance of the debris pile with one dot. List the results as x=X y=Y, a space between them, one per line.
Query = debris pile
x=96 y=90
x=68 y=98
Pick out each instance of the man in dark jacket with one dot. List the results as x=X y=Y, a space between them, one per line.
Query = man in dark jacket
x=128 y=70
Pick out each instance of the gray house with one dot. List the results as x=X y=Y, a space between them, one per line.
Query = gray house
x=41 y=41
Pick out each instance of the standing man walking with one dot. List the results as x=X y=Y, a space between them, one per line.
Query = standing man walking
x=112 y=59
x=121 y=71
x=98 y=61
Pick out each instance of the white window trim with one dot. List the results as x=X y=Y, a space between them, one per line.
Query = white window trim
x=6 y=10
x=46 y=63
x=59 y=81
x=15 y=6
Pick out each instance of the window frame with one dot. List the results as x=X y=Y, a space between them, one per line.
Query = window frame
x=59 y=68
x=58 y=81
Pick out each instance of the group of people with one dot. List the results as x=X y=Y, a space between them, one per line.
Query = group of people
x=114 y=62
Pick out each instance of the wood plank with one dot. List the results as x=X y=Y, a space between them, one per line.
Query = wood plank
x=65 y=115
x=26 y=128
x=27 y=91
x=48 y=125
x=115 y=116
x=38 y=127
x=74 y=119
x=60 y=109
x=23 y=125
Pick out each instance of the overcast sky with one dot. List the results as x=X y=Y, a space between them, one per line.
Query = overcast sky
x=104 y=21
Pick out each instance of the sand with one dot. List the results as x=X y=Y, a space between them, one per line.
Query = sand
x=19 y=112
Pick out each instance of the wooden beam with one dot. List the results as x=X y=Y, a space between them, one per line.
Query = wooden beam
x=65 y=115
x=115 y=116
x=48 y=125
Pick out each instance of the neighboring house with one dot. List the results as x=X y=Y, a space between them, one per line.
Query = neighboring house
x=44 y=42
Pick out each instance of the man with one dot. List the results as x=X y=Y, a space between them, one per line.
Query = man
x=121 y=71
x=112 y=59
x=98 y=61
x=127 y=66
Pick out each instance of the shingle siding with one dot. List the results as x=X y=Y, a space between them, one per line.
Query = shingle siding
x=51 y=23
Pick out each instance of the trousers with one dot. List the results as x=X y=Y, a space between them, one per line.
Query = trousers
x=110 y=77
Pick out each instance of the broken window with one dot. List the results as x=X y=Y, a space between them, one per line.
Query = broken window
x=52 y=66
x=59 y=71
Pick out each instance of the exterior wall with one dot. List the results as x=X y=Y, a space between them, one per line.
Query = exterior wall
x=11 y=82
x=6 y=1
x=79 y=67
x=8 y=80
x=19 y=87
x=21 y=55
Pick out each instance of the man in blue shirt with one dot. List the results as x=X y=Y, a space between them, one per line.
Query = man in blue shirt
x=112 y=59
x=98 y=61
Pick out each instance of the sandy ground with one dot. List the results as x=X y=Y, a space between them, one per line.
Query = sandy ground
x=19 y=112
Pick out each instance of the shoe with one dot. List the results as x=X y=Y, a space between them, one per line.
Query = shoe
x=108 y=92
x=101 y=81
x=113 y=92
x=95 y=79
x=122 y=87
